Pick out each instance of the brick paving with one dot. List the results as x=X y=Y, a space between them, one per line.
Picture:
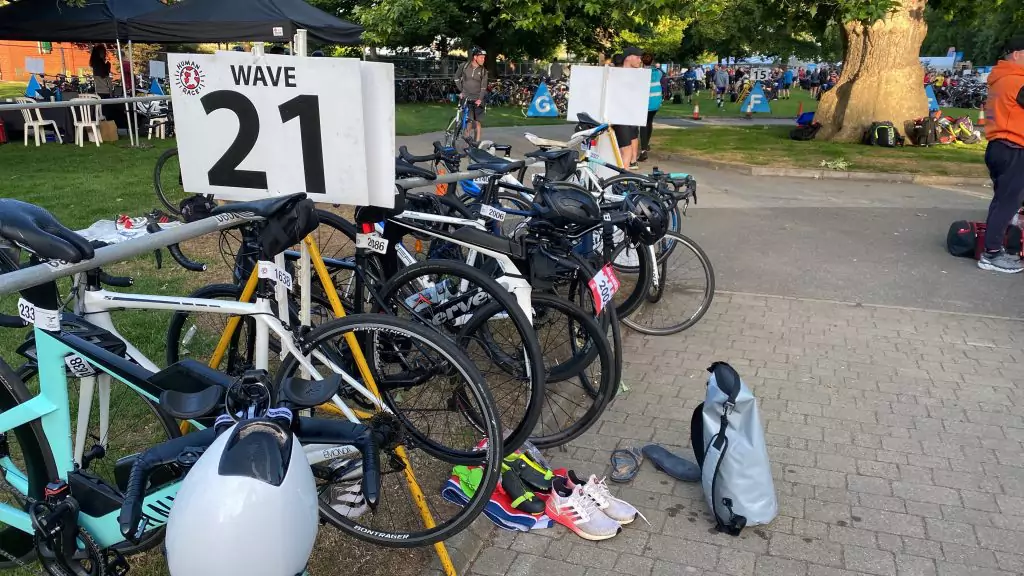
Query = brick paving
x=895 y=437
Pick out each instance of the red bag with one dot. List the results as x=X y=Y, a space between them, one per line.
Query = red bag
x=3 y=133
x=1013 y=242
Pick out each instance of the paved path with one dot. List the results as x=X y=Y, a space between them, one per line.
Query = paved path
x=887 y=374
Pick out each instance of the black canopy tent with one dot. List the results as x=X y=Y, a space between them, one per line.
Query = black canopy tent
x=56 y=21
x=239 y=21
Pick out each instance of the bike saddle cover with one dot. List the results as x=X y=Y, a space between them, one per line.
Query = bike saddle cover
x=37 y=230
x=262 y=208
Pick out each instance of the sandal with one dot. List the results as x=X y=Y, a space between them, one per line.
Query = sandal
x=625 y=464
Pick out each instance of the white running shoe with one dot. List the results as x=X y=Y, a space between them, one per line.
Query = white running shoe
x=578 y=512
x=615 y=508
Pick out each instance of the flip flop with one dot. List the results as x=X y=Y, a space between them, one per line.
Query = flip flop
x=674 y=466
x=625 y=464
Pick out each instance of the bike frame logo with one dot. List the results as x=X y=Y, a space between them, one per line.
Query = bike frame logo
x=189 y=78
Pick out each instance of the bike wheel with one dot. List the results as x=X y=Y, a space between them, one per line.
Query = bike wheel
x=682 y=294
x=410 y=363
x=167 y=181
x=468 y=306
x=28 y=457
x=574 y=404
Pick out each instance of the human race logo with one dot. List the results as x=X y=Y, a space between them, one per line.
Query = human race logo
x=189 y=77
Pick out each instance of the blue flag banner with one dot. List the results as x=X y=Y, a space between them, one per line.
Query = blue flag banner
x=933 y=104
x=32 y=88
x=755 y=101
x=542 y=106
x=155 y=89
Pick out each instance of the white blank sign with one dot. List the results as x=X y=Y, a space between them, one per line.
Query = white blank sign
x=613 y=95
x=157 y=69
x=34 y=65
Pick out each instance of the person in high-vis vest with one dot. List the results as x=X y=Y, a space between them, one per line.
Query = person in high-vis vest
x=1004 y=129
x=653 y=105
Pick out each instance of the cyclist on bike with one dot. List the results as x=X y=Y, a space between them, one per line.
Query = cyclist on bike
x=471 y=80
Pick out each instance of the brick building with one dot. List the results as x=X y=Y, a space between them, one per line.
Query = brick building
x=58 y=57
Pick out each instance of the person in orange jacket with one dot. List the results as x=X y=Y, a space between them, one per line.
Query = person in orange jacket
x=1004 y=116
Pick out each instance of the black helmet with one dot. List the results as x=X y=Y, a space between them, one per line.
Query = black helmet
x=649 y=222
x=566 y=206
x=477 y=51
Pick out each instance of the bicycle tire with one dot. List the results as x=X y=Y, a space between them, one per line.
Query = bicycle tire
x=521 y=430
x=605 y=391
x=158 y=187
x=491 y=452
x=658 y=310
x=178 y=319
x=40 y=466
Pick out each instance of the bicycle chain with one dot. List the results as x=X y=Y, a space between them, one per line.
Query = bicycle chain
x=5 y=484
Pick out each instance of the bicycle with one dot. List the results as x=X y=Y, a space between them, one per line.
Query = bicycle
x=139 y=378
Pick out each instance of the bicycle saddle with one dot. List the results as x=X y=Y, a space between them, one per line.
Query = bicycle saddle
x=544 y=142
x=38 y=231
x=262 y=208
x=483 y=160
x=404 y=169
x=550 y=154
x=585 y=121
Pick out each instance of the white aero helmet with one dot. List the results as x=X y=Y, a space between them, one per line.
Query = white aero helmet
x=248 y=506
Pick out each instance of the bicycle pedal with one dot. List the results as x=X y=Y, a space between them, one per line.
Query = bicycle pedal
x=116 y=564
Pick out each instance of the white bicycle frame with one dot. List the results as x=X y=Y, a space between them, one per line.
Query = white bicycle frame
x=512 y=278
x=96 y=306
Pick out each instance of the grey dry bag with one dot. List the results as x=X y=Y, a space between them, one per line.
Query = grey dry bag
x=728 y=441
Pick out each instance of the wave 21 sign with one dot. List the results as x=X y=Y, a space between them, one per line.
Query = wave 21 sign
x=252 y=127
x=542 y=106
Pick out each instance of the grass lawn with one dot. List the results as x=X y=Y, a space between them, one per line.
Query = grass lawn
x=771 y=146
x=418 y=118
x=780 y=108
x=11 y=89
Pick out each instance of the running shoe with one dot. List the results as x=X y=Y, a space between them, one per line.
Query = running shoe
x=615 y=508
x=578 y=512
x=348 y=500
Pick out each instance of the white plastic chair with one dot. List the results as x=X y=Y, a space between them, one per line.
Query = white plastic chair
x=34 y=121
x=155 y=114
x=86 y=113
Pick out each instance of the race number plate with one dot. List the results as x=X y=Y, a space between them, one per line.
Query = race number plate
x=271 y=271
x=48 y=320
x=492 y=213
x=372 y=242
x=603 y=287
x=78 y=367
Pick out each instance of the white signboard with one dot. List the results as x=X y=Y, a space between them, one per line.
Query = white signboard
x=760 y=74
x=613 y=95
x=34 y=65
x=251 y=126
x=157 y=69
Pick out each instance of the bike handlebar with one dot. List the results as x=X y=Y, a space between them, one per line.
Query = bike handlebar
x=131 y=519
x=184 y=261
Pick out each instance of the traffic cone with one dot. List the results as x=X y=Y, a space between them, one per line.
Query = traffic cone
x=981 y=118
x=800 y=110
x=696 y=111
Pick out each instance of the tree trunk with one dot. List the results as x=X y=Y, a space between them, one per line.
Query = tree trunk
x=882 y=75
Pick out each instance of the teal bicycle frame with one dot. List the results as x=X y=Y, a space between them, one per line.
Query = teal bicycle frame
x=51 y=408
